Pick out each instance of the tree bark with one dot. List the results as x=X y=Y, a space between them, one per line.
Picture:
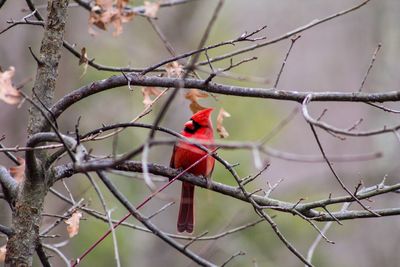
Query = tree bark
x=50 y=54
x=31 y=193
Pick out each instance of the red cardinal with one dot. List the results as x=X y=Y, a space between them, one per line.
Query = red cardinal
x=184 y=155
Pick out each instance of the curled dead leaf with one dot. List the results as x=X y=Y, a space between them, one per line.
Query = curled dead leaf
x=147 y=93
x=121 y=3
x=195 y=107
x=223 y=133
x=8 y=93
x=18 y=172
x=193 y=95
x=104 y=4
x=3 y=251
x=151 y=9
x=106 y=12
x=83 y=58
x=174 y=69
x=73 y=224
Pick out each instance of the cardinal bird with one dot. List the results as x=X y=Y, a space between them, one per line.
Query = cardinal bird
x=199 y=127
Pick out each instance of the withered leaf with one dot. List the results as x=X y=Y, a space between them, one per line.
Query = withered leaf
x=223 y=133
x=73 y=224
x=147 y=93
x=107 y=12
x=18 y=172
x=3 y=251
x=195 y=107
x=151 y=9
x=104 y=4
x=193 y=95
x=174 y=69
x=8 y=93
x=121 y=3
x=83 y=58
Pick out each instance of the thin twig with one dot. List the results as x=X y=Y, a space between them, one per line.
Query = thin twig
x=181 y=237
x=384 y=108
x=68 y=214
x=161 y=210
x=239 y=253
x=370 y=66
x=231 y=66
x=293 y=40
x=123 y=200
x=250 y=179
x=314 y=245
x=190 y=67
x=287 y=35
x=59 y=253
x=321 y=233
x=166 y=43
x=108 y=216
x=10 y=155
x=154 y=230
x=332 y=129
x=336 y=175
x=345 y=206
x=195 y=239
x=69 y=191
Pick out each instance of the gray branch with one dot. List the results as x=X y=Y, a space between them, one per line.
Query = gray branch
x=306 y=209
x=121 y=198
x=10 y=186
x=269 y=93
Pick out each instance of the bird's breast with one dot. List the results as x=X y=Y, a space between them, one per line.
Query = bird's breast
x=187 y=154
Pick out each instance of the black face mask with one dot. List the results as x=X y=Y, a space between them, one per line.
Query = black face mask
x=196 y=126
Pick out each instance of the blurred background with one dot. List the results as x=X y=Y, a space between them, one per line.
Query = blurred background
x=333 y=56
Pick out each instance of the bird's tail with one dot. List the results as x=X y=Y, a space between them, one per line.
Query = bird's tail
x=186 y=209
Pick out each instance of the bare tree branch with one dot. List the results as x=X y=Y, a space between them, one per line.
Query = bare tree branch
x=310 y=25
x=149 y=225
x=9 y=185
x=137 y=80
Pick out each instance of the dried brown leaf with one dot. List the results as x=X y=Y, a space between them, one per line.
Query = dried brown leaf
x=223 y=133
x=151 y=9
x=117 y=23
x=73 y=224
x=105 y=13
x=18 y=172
x=3 y=251
x=174 y=69
x=127 y=16
x=105 y=4
x=83 y=58
x=148 y=92
x=121 y=3
x=195 y=107
x=8 y=93
x=194 y=94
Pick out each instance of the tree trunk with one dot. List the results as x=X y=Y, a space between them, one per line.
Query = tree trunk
x=29 y=203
